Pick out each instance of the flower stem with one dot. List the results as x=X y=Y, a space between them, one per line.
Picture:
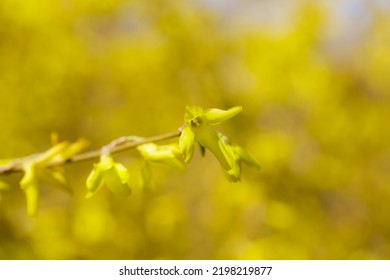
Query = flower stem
x=119 y=146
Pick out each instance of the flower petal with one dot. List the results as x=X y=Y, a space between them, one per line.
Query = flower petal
x=94 y=180
x=166 y=154
x=74 y=148
x=187 y=143
x=209 y=139
x=192 y=113
x=246 y=157
x=234 y=174
x=116 y=179
x=30 y=187
x=43 y=158
x=227 y=150
x=217 y=116
x=32 y=194
x=146 y=175
x=55 y=178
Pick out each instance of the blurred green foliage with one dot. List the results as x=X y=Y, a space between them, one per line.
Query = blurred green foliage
x=315 y=100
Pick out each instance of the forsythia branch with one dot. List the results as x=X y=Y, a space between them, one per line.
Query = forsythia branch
x=198 y=131
x=117 y=146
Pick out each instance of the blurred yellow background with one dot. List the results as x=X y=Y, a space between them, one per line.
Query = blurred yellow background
x=312 y=77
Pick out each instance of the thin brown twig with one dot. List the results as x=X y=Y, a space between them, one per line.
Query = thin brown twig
x=16 y=165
